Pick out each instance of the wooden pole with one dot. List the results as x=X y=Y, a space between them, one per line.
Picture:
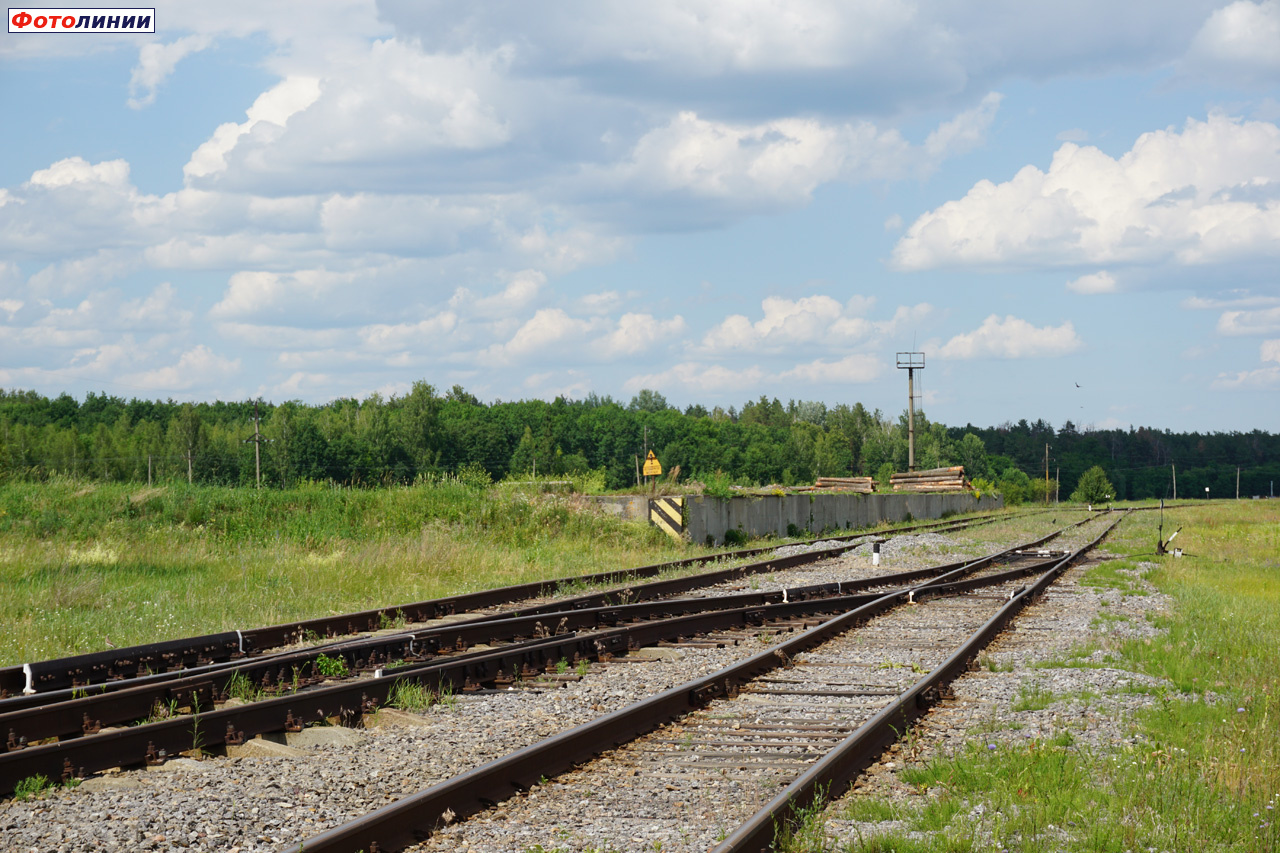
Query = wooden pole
x=257 y=447
x=1237 y=482
x=1175 y=481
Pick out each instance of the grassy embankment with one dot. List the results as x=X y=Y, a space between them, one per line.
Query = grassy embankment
x=84 y=565
x=1205 y=776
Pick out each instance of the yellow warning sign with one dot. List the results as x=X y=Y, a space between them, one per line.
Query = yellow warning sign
x=652 y=467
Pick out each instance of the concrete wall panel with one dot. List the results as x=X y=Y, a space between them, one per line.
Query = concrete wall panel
x=709 y=519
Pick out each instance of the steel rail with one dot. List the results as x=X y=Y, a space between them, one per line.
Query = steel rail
x=70 y=713
x=346 y=701
x=192 y=652
x=834 y=772
x=642 y=592
x=411 y=819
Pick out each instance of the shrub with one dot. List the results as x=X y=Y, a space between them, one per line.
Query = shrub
x=1094 y=487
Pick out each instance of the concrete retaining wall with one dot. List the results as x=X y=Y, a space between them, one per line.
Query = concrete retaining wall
x=630 y=507
x=708 y=519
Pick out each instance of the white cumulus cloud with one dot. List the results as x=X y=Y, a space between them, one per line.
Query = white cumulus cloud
x=199 y=366
x=1012 y=337
x=1210 y=192
x=424 y=334
x=266 y=120
x=1098 y=282
x=852 y=369
x=637 y=333
x=1265 y=321
x=156 y=62
x=780 y=162
x=1240 y=40
x=550 y=332
x=808 y=321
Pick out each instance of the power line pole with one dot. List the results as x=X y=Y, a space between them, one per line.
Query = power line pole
x=257 y=447
x=911 y=362
x=1237 y=482
x=1046 y=475
x=1175 y=480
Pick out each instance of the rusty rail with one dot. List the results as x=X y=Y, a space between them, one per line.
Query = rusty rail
x=413 y=818
x=347 y=701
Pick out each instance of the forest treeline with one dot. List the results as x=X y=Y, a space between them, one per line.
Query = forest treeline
x=425 y=433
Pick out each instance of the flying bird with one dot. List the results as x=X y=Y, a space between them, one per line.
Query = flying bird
x=1077 y=384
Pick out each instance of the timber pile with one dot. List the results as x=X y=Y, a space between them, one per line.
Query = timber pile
x=933 y=480
x=861 y=485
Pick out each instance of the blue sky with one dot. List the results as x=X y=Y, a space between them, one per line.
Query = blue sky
x=1072 y=209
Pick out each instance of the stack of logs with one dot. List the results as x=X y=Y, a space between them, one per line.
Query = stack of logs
x=933 y=480
x=861 y=485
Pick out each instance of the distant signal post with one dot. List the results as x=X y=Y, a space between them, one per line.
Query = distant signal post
x=911 y=362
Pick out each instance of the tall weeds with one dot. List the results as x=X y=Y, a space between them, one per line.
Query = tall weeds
x=84 y=567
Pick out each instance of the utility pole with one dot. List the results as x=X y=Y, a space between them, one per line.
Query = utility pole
x=1237 y=482
x=1046 y=474
x=149 y=476
x=188 y=457
x=911 y=362
x=1175 y=480
x=257 y=447
x=1057 y=483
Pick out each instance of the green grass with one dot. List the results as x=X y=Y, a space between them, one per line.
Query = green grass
x=1032 y=697
x=1111 y=575
x=86 y=565
x=872 y=810
x=415 y=697
x=331 y=667
x=990 y=664
x=32 y=787
x=1079 y=656
x=936 y=815
x=897 y=842
x=239 y=686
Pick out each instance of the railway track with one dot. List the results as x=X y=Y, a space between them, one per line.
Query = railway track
x=69 y=735
x=798 y=720
x=103 y=669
